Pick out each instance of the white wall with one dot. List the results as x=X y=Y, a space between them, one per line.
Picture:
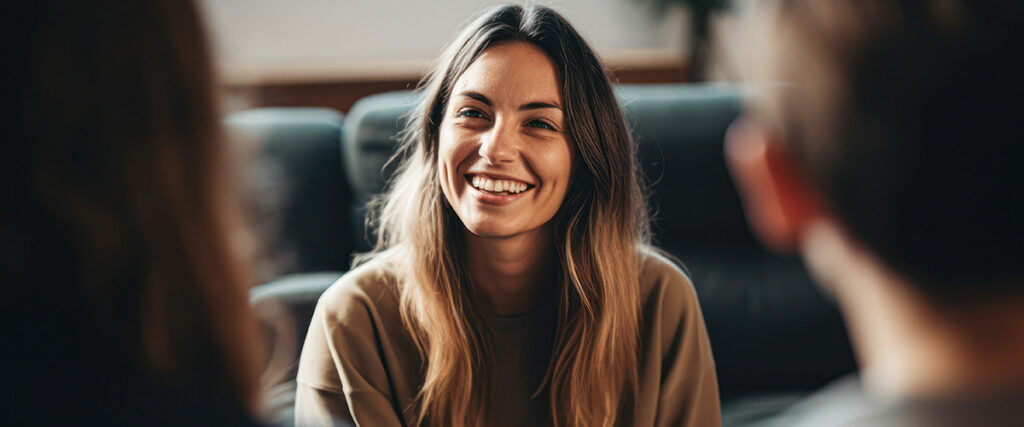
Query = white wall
x=322 y=39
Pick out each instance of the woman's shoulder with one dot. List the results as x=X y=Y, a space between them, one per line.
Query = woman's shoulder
x=369 y=288
x=670 y=311
x=663 y=278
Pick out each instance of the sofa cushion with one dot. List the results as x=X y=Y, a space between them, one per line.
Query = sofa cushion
x=371 y=133
x=679 y=131
x=298 y=188
x=371 y=130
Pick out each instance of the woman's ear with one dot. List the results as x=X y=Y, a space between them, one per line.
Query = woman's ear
x=778 y=199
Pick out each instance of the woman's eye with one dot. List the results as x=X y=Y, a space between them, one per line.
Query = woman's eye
x=540 y=124
x=469 y=113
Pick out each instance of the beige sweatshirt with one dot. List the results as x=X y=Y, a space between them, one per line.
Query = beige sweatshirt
x=359 y=363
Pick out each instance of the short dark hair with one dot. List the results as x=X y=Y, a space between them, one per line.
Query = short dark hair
x=905 y=115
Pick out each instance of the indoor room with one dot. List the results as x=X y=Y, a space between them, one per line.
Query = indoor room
x=571 y=213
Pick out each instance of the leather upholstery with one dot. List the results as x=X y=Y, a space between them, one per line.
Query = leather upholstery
x=299 y=194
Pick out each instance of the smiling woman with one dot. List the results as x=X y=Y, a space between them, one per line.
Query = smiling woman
x=513 y=282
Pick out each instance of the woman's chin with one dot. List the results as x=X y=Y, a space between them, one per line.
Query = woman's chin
x=491 y=230
x=500 y=230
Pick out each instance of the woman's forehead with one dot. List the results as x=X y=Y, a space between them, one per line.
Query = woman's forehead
x=512 y=74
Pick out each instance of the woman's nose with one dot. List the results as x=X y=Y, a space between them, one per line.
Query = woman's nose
x=499 y=145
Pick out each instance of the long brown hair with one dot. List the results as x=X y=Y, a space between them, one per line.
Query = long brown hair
x=592 y=376
x=121 y=213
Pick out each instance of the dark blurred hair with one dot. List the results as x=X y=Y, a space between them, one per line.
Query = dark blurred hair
x=599 y=231
x=118 y=231
x=906 y=116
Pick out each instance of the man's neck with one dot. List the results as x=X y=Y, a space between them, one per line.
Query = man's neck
x=512 y=274
x=908 y=345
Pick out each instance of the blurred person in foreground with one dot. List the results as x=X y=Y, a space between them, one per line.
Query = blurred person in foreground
x=891 y=158
x=123 y=289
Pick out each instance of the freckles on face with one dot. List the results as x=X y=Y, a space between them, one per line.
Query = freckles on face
x=504 y=158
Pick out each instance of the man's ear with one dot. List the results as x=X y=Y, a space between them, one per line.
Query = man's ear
x=777 y=197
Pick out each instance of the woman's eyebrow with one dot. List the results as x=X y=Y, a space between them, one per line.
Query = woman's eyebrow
x=536 y=105
x=539 y=105
x=477 y=96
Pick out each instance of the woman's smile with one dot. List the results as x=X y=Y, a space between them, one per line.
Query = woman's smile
x=493 y=185
x=496 y=190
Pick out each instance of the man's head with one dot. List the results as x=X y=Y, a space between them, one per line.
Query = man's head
x=897 y=121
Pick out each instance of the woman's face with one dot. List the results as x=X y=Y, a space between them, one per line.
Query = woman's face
x=504 y=158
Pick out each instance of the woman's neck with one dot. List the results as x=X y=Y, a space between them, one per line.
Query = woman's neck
x=512 y=275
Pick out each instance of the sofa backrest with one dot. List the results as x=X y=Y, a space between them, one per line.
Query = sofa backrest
x=679 y=131
x=299 y=194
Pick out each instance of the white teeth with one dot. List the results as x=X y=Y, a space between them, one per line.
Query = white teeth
x=497 y=186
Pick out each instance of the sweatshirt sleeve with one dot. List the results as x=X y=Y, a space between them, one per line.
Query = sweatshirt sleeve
x=678 y=345
x=342 y=377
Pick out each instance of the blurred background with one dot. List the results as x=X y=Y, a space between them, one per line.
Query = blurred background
x=332 y=52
